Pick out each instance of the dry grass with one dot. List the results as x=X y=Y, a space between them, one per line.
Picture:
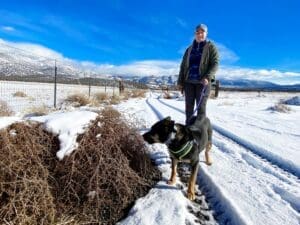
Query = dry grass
x=4 y=109
x=167 y=95
x=78 y=99
x=125 y=95
x=212 y=95
x=38 y=110
x=20 y=94
x=138 y=93
x=279 y=107
x=115 y=99
x=101 y=97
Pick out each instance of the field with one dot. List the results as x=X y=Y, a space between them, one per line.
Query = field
x=255 y=174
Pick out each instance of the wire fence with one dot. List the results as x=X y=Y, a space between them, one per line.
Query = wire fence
x=27 y=79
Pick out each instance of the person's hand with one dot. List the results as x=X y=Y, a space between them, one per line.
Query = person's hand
x=180 y=88
x=204 y=81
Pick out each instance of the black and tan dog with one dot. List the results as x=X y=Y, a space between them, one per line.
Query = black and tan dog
x=184 y=144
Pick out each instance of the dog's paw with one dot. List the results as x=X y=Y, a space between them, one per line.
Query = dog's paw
x=191 y=196
x=209 y=163
x=171 y=182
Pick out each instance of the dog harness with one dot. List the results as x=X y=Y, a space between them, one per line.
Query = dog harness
x=183 y=151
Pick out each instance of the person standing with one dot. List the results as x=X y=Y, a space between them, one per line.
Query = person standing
x=197 y=70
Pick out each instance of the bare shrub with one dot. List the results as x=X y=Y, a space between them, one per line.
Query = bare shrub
x=167 y=95
x=110 y=169
x=212 y=95
x=25 y=196
x=38 y=110
x=138 y=93
x=20 y=94
x=279 y=107
x=4 y=109
x=78 y=99
x=126 y=95
x=101 y=97
x=115 y=99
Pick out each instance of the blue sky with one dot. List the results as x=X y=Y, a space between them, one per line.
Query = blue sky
x=259 y=36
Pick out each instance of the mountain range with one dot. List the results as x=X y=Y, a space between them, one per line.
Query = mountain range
x=154 y=81
x=14 y=62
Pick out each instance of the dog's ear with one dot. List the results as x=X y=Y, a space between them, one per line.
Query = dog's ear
x=168 y=121
x=168 y=118
x=179 y=127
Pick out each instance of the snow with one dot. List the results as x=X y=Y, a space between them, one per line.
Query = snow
x=254 y=178
x=255 y=174
x=67 y=125
x=7 y=120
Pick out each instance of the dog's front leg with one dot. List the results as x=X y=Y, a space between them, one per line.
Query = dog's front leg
x=191 y=188
x=172 y=180
x=207 y=156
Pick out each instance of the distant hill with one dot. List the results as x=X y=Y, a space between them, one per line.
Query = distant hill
x=256 y=84
x=242 y=84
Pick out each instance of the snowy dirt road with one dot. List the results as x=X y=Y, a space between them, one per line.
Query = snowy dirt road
x=247 y=183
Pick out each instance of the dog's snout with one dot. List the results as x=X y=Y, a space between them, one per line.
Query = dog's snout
x=148 y=138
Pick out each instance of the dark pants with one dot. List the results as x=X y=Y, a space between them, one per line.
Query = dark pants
x=192 y=95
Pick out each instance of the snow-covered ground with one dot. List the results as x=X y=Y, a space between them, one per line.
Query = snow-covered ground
x=255 y=175
x=254 y=178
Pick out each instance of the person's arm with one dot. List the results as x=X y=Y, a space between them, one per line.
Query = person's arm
x=180 y=81
x=213 y=64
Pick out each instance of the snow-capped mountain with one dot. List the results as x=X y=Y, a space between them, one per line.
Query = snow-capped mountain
x=18 y=62
x=224 y=83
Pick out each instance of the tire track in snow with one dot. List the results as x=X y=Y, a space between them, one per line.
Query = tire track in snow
x=156 y=112
x=263 y=153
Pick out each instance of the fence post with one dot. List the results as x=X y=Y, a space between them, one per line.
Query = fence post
x=113 y=87
x=89 y=86
x=55 y=83
x=217 y=88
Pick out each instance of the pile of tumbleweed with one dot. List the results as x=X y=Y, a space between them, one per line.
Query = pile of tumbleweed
x=96 y=184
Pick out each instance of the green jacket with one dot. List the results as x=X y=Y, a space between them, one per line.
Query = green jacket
x=208 y=65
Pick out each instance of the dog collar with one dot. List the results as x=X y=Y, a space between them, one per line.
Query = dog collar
x=183 y=151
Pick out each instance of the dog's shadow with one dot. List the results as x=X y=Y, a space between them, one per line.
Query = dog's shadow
x=164 y=186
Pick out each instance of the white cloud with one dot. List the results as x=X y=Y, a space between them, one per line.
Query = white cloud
x=227 y=56
x=137 y=68
x=8 y=28
x=274 y=76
